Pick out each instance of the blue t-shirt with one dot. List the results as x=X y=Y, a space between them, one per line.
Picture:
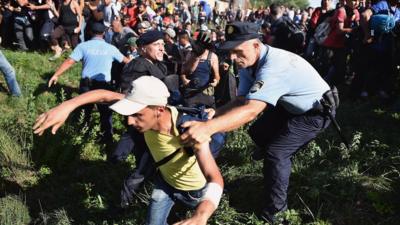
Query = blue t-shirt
x=97 y=57
x=283 y=78
x=382 y=7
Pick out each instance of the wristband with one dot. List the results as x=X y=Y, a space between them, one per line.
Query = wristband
x=213 y=193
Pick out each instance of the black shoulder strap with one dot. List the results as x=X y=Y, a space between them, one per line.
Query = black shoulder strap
x=166 y=158
x=189 y=110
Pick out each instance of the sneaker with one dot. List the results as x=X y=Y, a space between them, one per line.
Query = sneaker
x=56 y=56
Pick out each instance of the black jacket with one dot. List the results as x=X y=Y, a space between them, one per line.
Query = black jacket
x=141 y=67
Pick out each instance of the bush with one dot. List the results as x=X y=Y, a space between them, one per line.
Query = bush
x=58 y=217
x=13 y=211
x=15 y=163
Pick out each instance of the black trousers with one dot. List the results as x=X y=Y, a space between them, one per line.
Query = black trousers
x=280 y=135
x=104 y=110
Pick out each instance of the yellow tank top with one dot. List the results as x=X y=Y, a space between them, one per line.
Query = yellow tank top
x=182 y=171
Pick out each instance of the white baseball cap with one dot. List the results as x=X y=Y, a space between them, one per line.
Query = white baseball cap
x=146 y=90
x=170 y=32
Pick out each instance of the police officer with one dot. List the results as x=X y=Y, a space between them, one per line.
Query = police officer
x=97 y=57
x=286 y=90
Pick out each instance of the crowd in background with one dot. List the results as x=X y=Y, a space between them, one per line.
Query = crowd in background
x=349 y=55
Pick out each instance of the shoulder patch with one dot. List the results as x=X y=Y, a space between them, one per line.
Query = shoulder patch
x=256 y=86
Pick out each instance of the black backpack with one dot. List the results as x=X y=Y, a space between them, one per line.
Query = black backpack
x=295 y=35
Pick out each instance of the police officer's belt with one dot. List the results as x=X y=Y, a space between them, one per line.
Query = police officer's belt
x=90 y=82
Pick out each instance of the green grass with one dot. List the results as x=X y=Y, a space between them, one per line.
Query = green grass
x=65 y=179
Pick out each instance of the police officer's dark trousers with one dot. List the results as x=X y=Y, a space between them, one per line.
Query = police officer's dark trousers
x=104 y=110
x=280 y=135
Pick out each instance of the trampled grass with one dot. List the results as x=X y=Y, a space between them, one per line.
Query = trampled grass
x=65 y=179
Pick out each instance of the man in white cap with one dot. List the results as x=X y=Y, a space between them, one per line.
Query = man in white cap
x=194 y=180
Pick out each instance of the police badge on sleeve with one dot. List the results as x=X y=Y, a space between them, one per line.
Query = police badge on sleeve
x=256 y=86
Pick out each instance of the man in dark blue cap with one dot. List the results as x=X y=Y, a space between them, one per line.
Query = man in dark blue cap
x=97 y=57
x=286 y=90
x=151 y=50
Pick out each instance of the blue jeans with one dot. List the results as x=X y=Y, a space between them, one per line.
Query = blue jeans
x=9 y=75
x=23 y=32
x=164 y=197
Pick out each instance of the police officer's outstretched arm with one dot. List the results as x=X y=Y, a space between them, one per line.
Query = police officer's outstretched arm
x=214 y=188
x=238 y=113
x=56 y=116
x=64 y=67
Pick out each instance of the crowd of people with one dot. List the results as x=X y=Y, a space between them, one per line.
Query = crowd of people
x=278 y=60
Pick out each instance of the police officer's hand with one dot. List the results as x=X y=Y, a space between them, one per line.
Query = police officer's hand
x=55 y=118
x=53 y=80
x=197 y=132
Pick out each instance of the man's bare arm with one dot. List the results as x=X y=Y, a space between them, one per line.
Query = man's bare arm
x=56 y=116
x=211 y=171
x=64 y=67
x=215 y=70
x=364 y=23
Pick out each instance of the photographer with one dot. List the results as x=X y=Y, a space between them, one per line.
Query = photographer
x=200 y=74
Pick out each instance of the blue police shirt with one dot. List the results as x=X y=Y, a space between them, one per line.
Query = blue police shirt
x=97 y=57
x=284 y=78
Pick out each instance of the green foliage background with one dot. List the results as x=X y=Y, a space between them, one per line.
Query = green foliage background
x=65 y=179
x=300 y=4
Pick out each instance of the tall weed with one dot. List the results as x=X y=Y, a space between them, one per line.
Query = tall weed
x=13 y=211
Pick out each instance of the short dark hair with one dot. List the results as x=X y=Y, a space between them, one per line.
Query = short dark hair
x=274 y=9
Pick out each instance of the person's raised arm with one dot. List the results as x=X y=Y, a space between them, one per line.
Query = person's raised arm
x=81 y=4
x=215 y=70
x=214 y=188
x=186 y=69
x=64 y=67
x=38 y=7
x=56 y=116
x=78 y=11
x=241 y=112
x=364 y=23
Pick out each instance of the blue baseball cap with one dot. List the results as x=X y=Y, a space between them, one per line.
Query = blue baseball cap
x=238 y=32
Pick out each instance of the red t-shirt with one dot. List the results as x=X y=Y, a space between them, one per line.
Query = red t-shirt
x=132 y=12
x=336 y=39
x=315 y=17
